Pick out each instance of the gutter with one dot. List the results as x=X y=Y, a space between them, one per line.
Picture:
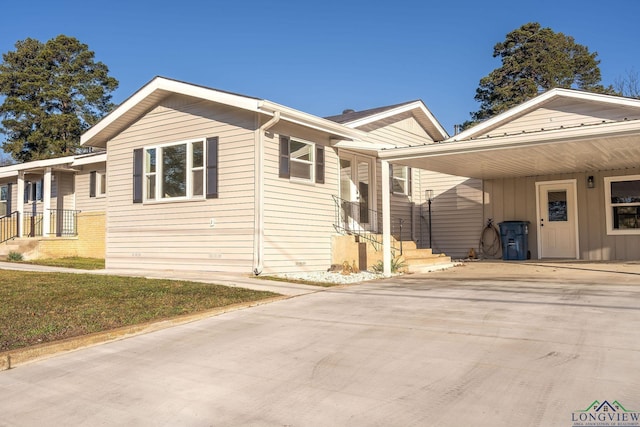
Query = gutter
x=258 y=229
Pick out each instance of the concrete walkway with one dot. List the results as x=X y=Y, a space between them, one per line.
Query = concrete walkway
x=226 y=279
x=485 y=344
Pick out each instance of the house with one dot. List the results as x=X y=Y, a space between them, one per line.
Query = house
x=199 y=178
x=55 y=207
x=566 y=161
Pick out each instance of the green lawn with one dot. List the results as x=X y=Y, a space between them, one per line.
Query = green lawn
x=43 y=307
x=71 y=262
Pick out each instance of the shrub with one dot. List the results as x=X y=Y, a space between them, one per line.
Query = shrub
x=397 y=265
x=15 y=256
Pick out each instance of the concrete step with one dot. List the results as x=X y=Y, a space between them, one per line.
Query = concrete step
x=22 y=246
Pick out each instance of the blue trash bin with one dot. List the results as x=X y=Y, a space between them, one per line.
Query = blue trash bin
x=515 y=241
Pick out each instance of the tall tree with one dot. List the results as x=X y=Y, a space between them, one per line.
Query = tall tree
x=535 y=59
x=53 y=92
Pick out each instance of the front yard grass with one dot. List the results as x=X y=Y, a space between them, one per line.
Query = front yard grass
x=71 y=262
x=38 y=308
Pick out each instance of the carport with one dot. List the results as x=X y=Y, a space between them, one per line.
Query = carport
x=547 y=152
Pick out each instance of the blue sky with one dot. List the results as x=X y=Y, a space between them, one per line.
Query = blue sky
x=323 y=57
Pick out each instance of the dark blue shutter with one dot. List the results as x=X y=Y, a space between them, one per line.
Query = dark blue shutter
x=9 y=192
x=284 y=157
x=92 y=184
x=212 y=168
x=319 y=164
x=137 y=175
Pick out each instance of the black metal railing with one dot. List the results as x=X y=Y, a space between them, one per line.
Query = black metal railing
x=62 y=222
x=9 y=226
x=356 y=219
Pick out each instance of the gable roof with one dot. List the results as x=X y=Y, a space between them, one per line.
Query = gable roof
x=546 y=98
x=362 y=119
x=161 y=87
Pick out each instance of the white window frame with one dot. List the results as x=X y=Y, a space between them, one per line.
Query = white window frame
x=100 y=190
x=609 y=206
x=158 y=196
x=403 y=179
x=309 y=163
x=4 y=201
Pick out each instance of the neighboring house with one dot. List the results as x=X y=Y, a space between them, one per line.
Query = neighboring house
x=55 y=207
x=204 y=179
x=566 y=161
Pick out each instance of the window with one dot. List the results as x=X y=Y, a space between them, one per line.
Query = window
x=4 y=196
x=97 y=184
x=33 y=191
x=301 y=160
x=176 y=171
x=400 y=179
x=622 y=201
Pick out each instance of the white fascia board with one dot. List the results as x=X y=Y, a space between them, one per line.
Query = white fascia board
x=399 y=110
x=172 y=86
x=36 y=164
x=311 y=121
x=8 y=174
x=538 y=101
x=88 y=160
x=512 y=141
x=361 y=146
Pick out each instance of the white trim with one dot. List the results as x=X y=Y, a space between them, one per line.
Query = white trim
x=399 y=110
x=542 y=99
x=159 y=172
x=608 y=205
x=573 y=183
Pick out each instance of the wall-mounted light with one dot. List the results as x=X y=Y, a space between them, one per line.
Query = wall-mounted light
x=590 y=182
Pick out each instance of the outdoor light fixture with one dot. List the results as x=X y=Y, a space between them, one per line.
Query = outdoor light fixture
x=429 y=195
x=590 y=182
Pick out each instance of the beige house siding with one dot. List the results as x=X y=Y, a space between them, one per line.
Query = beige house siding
x=402 y=131
x=299 y=216
x=209 y=235
x=456 y=213
x=84 y=202
x=515 y=199
x=565 y=113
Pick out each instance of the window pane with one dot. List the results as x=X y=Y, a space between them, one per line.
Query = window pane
x=198 y=155
x=151 y=187
x=174 y=165
x=103 y=183
x=398 y=186
x=557 y=204
x=399 y=171
x=3 y=192
x=150 y=161
x=301 y=170
x=625 y=192
x=197 y=182
x=300 y=151
x=626 y=217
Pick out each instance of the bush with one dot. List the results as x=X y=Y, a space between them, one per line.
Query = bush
x=15 y=256
x=397 y=265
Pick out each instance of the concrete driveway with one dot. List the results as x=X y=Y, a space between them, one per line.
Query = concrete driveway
x=479 y=345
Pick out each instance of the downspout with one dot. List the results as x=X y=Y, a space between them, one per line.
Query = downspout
x=258 y=229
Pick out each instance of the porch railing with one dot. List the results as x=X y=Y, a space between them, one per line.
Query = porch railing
x=62 y=222
x=356 y=219
x=9 y=226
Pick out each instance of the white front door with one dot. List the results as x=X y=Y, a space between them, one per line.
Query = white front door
x=356 y=191
x=557 y=219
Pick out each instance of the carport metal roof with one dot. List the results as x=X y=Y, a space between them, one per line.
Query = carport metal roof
x=603 y=146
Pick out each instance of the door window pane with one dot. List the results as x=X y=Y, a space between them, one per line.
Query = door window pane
x=557 y=205
x=363 y=191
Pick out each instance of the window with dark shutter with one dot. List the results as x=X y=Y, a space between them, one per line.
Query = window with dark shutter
x=137 y=175
x=212 y=168
x=284 y=157
x=92 y=184
x=319 y=164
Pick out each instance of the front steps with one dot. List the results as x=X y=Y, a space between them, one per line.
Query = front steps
x=349 y=248
x=422 y=260
x=26 y=247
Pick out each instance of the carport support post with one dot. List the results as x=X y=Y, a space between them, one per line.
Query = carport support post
x=46 y=203
x=386 y=220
